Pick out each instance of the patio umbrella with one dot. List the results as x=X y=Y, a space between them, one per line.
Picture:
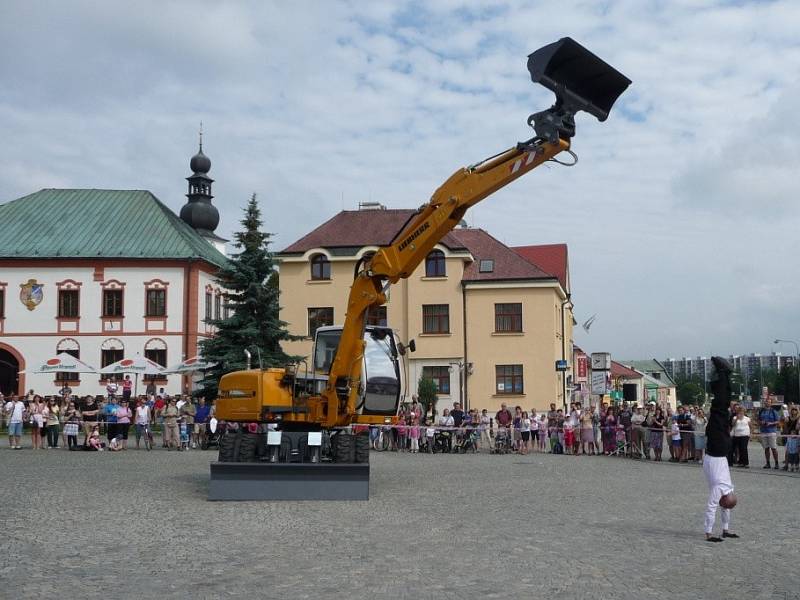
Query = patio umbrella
x=138 y=365
x=190 y=365
x=63 y=363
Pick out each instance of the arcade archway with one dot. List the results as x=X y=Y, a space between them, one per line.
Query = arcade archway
x=11 y=363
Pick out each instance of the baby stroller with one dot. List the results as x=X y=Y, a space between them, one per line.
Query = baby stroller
x=442 y=442
x=214 y=431
x=502 y=441
x=467 y=441
x=621 y=448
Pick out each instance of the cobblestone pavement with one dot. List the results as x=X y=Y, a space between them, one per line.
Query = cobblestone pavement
x=137 y=524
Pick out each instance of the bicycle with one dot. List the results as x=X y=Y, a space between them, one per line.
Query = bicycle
x=384 y=439
x=147 y=435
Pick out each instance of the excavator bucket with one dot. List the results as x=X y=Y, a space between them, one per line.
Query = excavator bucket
x=579 y=79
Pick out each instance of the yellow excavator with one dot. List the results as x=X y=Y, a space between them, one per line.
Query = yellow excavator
x=296 y=435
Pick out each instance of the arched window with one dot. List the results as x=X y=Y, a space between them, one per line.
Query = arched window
x=320 y=267
x=434 y=264
x=156 y=350
x=111 y=350
x=71 y=347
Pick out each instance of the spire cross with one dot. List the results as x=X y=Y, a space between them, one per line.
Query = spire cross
x=201 y=136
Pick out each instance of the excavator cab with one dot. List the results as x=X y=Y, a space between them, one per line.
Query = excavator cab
x=381 y=372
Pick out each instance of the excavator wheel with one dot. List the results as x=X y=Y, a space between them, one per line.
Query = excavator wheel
x=247 y=448
x=362 y=447
x=227 y=448
x=237 y=447
x=344 y=448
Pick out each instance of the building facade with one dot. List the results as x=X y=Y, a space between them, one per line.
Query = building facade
x=658 y=385
x=489 y=324
x=749 y=365
x=103 y=275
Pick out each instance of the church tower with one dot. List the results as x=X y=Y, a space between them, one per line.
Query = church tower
x=198 y=212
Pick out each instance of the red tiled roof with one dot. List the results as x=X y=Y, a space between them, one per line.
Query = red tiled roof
x=357 y=228
x=551 y=258
x=507 y=263
x=620 y=370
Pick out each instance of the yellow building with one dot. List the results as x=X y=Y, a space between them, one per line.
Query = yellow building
x=489 y=323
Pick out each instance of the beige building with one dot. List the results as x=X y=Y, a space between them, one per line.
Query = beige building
x=489 y=323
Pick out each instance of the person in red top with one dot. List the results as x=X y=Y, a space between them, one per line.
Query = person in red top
x=158 y=410
x=127 y=388
x=503 y=417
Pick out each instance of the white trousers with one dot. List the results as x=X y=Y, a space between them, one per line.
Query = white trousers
x=718 y=476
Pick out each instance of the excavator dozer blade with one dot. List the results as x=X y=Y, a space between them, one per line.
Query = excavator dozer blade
x=579 y=79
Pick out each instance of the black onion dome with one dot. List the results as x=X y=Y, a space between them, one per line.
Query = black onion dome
x=200 y=163
x=200 y=215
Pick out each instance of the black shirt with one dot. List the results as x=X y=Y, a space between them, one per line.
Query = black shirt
x=458 y=416
x=718 y=431
x=87 y=407
x=685 y=422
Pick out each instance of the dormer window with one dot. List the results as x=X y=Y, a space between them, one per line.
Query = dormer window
x=434 y=264
x=320 y=267
x=486 y=265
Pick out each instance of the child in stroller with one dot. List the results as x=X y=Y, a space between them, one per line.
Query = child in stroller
x=502 y=441
x=443 y=442
x=213 y=433
x=466 y=440
x=622 y=444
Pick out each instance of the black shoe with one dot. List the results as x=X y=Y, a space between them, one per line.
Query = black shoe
x=714 y=539
x=725 y=534
x=766 y=466
x=777 y=467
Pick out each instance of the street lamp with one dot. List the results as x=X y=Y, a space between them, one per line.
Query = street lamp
x=796 y=361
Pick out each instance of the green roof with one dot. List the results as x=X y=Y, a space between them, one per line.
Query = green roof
x=98 y=224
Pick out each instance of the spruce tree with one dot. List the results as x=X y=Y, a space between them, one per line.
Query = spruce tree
x=426 y=394
x=250 y=320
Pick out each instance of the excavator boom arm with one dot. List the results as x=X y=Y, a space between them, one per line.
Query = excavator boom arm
x=581 y=81
x=465 y=188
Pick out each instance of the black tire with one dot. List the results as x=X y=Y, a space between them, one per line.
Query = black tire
x=362 y=448
x=247 y=448
x=227 y=448
x=343 y=448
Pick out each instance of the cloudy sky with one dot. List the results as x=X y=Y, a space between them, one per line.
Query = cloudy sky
x=682 y=216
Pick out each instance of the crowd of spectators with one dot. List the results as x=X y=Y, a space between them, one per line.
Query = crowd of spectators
x=100 y=422
x=610 y=430
x=105 y=422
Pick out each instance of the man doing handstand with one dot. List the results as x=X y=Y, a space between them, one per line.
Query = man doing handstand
x=718 y=444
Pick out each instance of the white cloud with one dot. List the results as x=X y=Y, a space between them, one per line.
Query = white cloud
x=317 y=106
